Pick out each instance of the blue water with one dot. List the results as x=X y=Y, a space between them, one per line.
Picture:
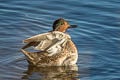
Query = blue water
x=97 y=39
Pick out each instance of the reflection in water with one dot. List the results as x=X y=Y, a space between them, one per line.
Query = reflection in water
x=51 y=73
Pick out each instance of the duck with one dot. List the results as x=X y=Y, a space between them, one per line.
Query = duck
x=54 y=48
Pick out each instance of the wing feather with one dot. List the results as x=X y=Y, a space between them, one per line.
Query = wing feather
x=36 y=38
x=52 y=42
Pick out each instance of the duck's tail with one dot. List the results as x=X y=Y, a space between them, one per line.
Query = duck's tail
x=28 y=55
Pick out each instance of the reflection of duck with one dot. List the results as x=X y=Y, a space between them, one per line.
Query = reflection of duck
x=56 y=47
x=51 y=73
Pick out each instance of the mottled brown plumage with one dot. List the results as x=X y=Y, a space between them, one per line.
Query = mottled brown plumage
x=56 y=47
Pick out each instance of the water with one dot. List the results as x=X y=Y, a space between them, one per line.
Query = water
x=97 y=39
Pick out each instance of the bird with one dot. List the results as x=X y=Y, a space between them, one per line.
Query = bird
x=55 y=47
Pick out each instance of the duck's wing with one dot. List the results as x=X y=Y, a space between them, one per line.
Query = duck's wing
x=52 y=42
x=58 y=43
x=35 y=40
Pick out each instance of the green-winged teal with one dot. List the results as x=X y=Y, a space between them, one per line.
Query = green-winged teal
x=55 y=48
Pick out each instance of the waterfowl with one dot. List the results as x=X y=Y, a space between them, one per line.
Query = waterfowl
x=55 y=47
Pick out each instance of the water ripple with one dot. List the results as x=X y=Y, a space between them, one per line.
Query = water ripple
x=97 y=39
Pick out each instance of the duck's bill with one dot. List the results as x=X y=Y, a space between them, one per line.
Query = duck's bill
x=72 y=26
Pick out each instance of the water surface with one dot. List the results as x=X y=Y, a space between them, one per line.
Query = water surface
x=97 y=39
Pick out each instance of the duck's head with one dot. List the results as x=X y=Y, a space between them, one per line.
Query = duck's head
x=61 y=25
